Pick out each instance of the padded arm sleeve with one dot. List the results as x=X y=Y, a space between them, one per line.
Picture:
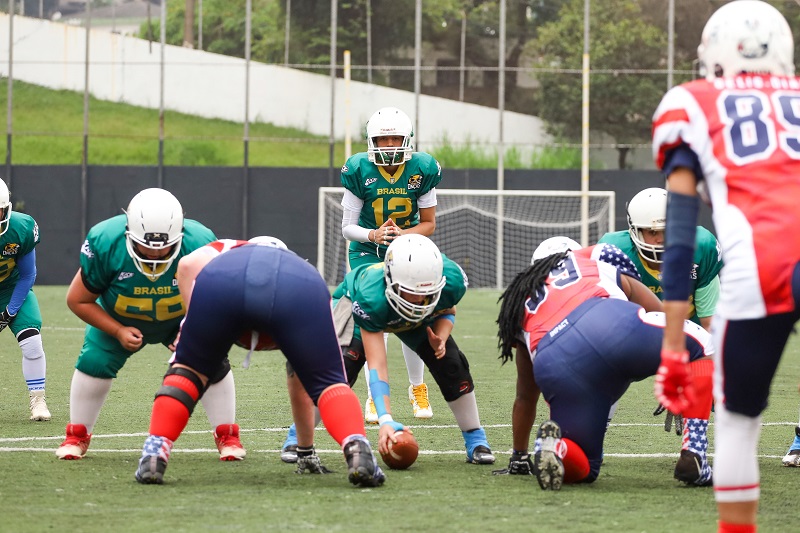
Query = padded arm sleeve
x=27 y=275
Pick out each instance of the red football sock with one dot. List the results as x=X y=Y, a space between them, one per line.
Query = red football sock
x=702 y=379
x=576 y=464
x=340 y=410
x=727 y=527
x=170 y=416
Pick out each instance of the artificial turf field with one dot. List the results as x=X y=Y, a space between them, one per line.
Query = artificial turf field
x=635 y=490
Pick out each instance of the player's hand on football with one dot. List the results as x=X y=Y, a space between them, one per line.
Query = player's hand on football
x=673 y=387
x=437 y=343
x=386 y=434
x=130 y=338
x=5 y=319
x=519 y=464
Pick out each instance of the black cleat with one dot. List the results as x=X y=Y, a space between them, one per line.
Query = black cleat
x=693 y=470
x=362 y=467
x=151 y=470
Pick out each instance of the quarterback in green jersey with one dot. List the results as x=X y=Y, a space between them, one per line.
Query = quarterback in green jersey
x=127 y=293
x=644 y=244
x=19 y=235
x=412 y=294
x=390 y=190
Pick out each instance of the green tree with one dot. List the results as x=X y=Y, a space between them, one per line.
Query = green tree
x=621 y=104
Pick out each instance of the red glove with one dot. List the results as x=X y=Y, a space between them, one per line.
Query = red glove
x=674 y=387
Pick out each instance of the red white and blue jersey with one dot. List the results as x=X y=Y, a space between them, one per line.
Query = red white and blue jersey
x=592 y=272
x=745 y=132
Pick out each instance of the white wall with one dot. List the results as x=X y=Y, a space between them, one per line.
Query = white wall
x=127 y=69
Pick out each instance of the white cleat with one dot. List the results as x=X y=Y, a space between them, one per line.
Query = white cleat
x=792 y=458
x=39 y=410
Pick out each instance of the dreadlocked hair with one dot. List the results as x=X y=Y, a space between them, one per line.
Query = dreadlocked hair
x=512 y=308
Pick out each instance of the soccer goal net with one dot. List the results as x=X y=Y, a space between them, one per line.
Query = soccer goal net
x=491 y=234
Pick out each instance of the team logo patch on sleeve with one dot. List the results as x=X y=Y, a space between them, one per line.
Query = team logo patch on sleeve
x=414 y=182
x=11 y=248
x=87 y=250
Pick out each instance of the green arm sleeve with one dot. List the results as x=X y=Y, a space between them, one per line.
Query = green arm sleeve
x=705 y=298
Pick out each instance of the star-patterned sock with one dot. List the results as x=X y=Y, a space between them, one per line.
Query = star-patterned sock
x=695 y=439
x=155 y=445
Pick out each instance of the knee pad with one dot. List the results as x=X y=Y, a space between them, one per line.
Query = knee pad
x=180 y=389
x=27 y=334
x=451 y=372
x=354 y=360
x=221 y=372
x=31 y=345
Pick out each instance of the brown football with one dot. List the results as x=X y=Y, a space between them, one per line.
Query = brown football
x=402 y=453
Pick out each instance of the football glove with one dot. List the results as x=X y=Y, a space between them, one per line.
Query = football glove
x=670 y=419
x=673 y=388
x=5 y=319
x=520 y=464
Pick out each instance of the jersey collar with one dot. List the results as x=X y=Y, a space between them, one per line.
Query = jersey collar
x=392 y=178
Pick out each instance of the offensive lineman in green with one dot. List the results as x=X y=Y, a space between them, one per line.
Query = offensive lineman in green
x=644 y=244
x=19 y=235
x=414 y=295
x=127 y=293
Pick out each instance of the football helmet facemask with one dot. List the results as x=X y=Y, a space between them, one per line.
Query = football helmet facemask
x=413 y=266
x=647 y=210
x=5 y=207
x=155 y=221
x=554 y=245
x=389 y=122
x=746 y=36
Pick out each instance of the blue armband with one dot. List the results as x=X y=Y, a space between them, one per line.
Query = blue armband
x=378 y=388
x=451 y=317
x=680 y=236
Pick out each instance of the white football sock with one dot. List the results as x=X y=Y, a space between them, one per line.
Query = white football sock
x=34 y=363
x=414 y=365
x=465 y=409
x=219 y=401
x=736 y=474
x=86 y=397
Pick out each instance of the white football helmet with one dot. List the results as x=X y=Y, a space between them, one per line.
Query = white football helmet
x=746 y=36
x=266 y=240
x=155 y=221
x=5 y=207
x=647 y=210
x=413 y=266
x=554 y=245
x=389 y=122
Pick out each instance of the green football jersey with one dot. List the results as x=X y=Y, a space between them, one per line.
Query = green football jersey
x=20 y=238
x=130 y=297
x=386 y=196
x=365 y=286
x=705 y=267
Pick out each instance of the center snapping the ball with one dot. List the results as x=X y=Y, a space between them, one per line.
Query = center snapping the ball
x=402 y=453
